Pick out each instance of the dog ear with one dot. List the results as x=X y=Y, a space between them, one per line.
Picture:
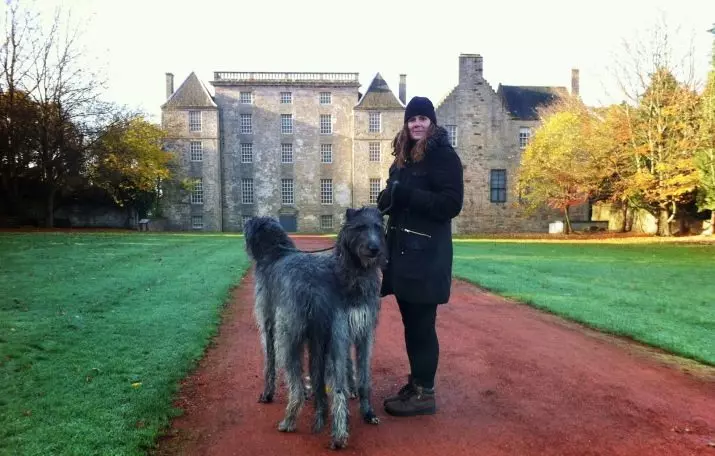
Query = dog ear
x=350 y=213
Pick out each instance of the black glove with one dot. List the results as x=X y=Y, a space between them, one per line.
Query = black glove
x=400 y=194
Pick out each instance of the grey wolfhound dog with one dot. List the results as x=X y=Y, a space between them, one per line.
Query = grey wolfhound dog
x=325 y=302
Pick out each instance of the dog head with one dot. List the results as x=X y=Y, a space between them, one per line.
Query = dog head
x=363 y=237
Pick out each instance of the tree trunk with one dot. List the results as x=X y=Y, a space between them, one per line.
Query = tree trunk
x=712 y=222
x=663 y=222
x=624 y=226
x=568 y=220
x=50 y=209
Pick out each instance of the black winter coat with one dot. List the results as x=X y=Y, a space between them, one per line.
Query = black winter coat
x=419 y=229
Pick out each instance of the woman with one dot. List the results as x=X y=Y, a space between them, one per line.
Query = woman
x=424 y=192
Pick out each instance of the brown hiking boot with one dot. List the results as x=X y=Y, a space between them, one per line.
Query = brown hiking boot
x=402 y=393
x=419 y=402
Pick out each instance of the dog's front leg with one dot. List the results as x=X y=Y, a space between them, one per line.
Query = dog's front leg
x=363 y=349
x=337 y=381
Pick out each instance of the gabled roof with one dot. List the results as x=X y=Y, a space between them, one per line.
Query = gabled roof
x=522 y=102
x=379 y=96
x=192 y=93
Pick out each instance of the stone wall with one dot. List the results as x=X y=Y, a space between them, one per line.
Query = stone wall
x=267 y=169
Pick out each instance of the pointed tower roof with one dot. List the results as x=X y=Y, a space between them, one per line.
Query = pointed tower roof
x=379 y=96
x=192 y=93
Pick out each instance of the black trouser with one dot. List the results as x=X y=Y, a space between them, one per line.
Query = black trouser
x=421 y=340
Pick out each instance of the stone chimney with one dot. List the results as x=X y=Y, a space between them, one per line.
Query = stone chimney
x=169 y=84
x=471 y=67
x=403 y=88
x=575 y=82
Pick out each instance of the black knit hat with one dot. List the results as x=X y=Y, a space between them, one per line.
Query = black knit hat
x=420 y=106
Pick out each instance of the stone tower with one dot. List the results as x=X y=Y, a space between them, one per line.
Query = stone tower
x=378 y=117
x=190 y=118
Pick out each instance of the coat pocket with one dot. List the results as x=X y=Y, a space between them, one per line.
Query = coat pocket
x=416 y=254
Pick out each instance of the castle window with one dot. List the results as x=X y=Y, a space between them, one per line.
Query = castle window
x=497 y=186
x=286 y=98
x=524 y=136
x=287 y=196
x=196 y=151
x=194 y=120
x=326 y=124
x=326 y=153
x=326 y=191
x=374 y=190
x=452 y=134
x=374 y=151
x=247 y=191
x=197 y=222
x=326 y=222
x=246 y=98
x=246 y=124
x=287 y=124
x=197 y=193
x=326 y=98
x=375 y=122
x=287 y=153
x=246 y=152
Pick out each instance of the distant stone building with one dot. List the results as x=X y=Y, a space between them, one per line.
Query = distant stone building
x=303 y=147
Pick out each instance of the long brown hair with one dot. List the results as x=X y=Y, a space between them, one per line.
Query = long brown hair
x=404 y=148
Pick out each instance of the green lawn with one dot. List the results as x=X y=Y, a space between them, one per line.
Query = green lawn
x=660 y=294
x=96 y=330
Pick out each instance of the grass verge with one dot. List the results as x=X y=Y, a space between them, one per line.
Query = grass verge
x=656 y=293
x=96 y=331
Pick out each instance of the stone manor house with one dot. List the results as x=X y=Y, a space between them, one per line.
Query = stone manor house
x=303 y=147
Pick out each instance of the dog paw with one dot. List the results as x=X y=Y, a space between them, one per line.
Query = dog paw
x=339 y=444
x=265 y=398
x=371 y=418
x=285 y=426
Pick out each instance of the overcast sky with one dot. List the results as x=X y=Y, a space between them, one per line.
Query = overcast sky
x=523 y=42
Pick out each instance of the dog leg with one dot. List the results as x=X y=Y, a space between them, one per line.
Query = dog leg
x=317 y=380
x=339 y=405
x=294 y=381
x=352 y=388
x=363 y=349
x=269 y=370
x=267 y=332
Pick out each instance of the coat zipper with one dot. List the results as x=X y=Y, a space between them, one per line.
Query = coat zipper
x=416 y=232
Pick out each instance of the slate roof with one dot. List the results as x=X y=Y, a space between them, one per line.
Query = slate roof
x=522 y=101
x=192 y=93
x=379 y=96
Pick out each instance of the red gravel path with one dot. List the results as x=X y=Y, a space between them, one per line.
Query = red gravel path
x=511 y=381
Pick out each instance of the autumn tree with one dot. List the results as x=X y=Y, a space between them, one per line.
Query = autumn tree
x=559 y=167
x=615 y=158
x=129 y=163
x=664 y=135
x=659 y=116
x=705 y=156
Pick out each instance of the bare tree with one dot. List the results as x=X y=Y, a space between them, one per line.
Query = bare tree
x=651 y=50
x=16 y=61
x=50 y=65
